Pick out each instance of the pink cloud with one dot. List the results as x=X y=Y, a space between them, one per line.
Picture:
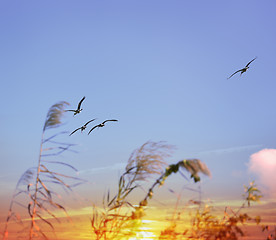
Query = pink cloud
x=263 y=164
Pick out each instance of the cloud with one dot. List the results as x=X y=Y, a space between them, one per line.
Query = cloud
x=231 y=149
x=116 y=166
x=263 y=164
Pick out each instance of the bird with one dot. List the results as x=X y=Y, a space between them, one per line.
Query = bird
x=243 y=69
x=82 y=127
x=101 y=124
x=79 y=109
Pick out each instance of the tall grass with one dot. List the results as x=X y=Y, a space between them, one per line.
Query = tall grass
x=35 y=186
x=205 y=224
x=120 y=219
x=114 y=218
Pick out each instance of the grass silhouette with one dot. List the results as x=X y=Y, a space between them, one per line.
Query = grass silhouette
x=118 y=217
x=34 y=188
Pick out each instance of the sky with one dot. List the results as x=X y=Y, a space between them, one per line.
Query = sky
x=160 y=68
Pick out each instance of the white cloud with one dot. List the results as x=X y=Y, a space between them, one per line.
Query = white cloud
x=263 y=164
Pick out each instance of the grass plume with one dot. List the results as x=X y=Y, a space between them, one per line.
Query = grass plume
x=118 y=218
x=36 y=184
x=115 y=219
x=53 y=118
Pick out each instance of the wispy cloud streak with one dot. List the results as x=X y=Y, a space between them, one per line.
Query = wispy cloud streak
x=116 y=166
x=231 y=149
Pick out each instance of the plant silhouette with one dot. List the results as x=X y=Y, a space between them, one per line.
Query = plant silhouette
x=118 y=217
x=36 y=184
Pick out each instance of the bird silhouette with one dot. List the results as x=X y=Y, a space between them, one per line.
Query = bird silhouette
x=79 y=109
x=101 y=124
x=82 y=127
x=243 y=70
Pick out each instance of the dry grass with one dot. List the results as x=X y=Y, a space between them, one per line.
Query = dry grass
x=34 y=191
x=117 y=217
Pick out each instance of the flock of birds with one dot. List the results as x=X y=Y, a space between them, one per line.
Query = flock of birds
x=83 y=127
x=79 y=109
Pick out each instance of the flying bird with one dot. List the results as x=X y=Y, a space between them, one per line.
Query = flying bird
x=82 y=127
x=243 y=70
x=102 y=124
x=79 y=109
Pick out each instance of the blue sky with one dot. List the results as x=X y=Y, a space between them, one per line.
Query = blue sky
x=159 y=67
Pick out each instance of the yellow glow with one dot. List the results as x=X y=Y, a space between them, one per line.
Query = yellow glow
x=145 y=232
x=144 y=235
x=157 y=221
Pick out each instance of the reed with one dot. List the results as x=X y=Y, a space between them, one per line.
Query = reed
x=120 y=219
x=206 y=224
x=114 y=220
x=36 y=185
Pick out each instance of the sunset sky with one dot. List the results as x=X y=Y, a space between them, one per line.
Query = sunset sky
x=160 y=68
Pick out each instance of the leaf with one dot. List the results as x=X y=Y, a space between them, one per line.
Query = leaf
x=42 y=233
x=26 y=177
x=62 y=163
x=128 y=203
x=44 y=220
x=29 y=210
x=45 y=188
x=128 y=191
x=54 y=136
x=60 y=207
x=172 y=191
x=239 y=231
x=19 y=204
x=108 y=195
x=121 y=182
x=58 y=180
x=109 y=204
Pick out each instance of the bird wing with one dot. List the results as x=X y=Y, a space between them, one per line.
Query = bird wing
x=89 y=121
x=79 y=105
x=74 y=131
x=250 y=62
x=235 y=73
x=92 y=129
x=70 y=110
x=111 y=120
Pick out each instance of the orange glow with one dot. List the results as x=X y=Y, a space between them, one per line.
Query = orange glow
x=155 y=221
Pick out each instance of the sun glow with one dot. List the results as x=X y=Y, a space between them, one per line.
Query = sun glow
x=145 y=232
